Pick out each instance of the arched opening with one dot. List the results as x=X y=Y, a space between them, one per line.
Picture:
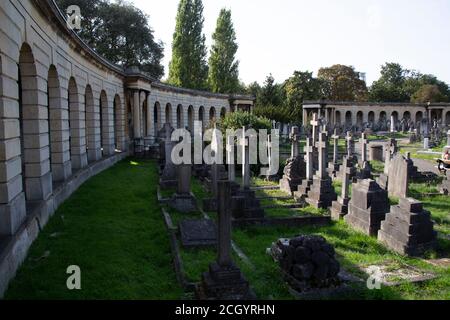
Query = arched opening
x=447 y=118
x=157 y=116
x=130 y=122
x=144 y=118
x=55 y=123
x=168 y=113
x=34 y=152
x=212 y=114
x=92 y=122
x=419 y=116
x=348 y=118
x=77 y=119
x=180 y=116
x=394 y=115
x=201 y=116
x=117 y=124
x=383 y=115
x=359 y=119
x=191 y=118
x=371 y=117
x=338 y=117
x=223 y=112
x=407 y=115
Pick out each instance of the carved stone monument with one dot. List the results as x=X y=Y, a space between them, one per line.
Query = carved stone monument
x=294 y=171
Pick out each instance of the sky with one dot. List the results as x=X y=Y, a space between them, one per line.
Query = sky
x=282 y=36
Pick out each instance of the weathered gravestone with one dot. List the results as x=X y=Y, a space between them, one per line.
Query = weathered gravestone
x=398 y=176
x=363 y=144
x=339 y=208
x=364 y=171
x=321 y=193
x=294 y=171
x=198 y=233
x=333 y=167
x=368 y=207
x=168 y=176
x=302 y=190
x=224 y=280
x=183 y=200
x=315 y=123
x=351 y=157
x=376 y=152
x=408 y=228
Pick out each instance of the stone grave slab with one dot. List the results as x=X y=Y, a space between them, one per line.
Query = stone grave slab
x=198 y=233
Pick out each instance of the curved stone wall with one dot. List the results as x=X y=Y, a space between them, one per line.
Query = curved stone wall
x=65 y=114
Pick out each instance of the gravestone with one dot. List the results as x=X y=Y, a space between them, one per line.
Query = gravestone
x=198 y=233
x=408 y=229
x=376 y=152
x=351 y=158
x=321 y=193
x=168 y=176
x=448 y=138
x=367 y=207
x=333 y=167
x=363 y=142
x=339 y=208
x=315 y=123
x=183 y=200
x=398 y=176
x=393 y=124
x=364 y=171
x=294 y=171
x=224 y=280
x=302 y=190
x=216 y=173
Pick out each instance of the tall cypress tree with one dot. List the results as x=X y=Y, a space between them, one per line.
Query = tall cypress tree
x=223 y=74
x=188 y=66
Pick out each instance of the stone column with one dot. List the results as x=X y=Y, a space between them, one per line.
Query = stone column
x=350 y=145
x=136 y=112
x=392 y=124
x=224 y=224
x=150 y=110
x=108 y=127
x=448 y=138
x=322 y=148
x=77 y=130
x=309 y=158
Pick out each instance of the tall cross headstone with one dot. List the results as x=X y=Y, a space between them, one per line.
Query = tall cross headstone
x=269 y=152
x=335 y=138
x=309 y=158
x=363 y=142
x=350 y=145
x=314 y=124
x=322 y=148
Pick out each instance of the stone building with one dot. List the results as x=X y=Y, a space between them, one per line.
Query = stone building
x=360 y=114
x=66 y=114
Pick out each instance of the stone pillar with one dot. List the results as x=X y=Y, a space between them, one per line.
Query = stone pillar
x=392 y=124
x=12 y=197
x=322 y=148
x=335 y=138
x=136 y=113
x=108 y=127
x=363 y=142
x=230 y=158
x=77 y=130
x=305 y=117
x=150 y=117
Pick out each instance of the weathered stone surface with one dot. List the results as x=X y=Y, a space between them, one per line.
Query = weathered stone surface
x=408 y=228
x=398 y=176
x=376 y=152
x=368 y=206
x=339 y=208
x=294 y=173
x=198 y=233
x=307 y=262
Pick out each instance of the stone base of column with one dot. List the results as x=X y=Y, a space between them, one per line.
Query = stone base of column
x=61 y=171
x=224 y=283
x=339 y=208
x=94 y=154
x=322 y=193
x=184 y=203
x=12 y=215
x=79 y=161
x=39 y=188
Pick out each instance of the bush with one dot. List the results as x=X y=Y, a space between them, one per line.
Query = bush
x=237 y=120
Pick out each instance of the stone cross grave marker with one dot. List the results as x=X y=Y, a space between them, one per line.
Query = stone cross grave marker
x=392 y=124
x=314 y=124
x=363 y=142
x=322 y=147
x=339 y=208
x=335 y=138
x=309 y=158
x=349 y=144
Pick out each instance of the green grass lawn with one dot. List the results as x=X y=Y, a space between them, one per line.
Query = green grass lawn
x=113 y=229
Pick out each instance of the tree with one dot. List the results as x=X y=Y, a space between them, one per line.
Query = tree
x=271 y=93
x=390 y=86
x=302 y=86
x=188 y=66
x=428 y=93
x=343 y=83
x=223 y=68
x=121 y=33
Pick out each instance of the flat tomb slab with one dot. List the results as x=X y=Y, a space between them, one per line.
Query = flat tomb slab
x=198 y=233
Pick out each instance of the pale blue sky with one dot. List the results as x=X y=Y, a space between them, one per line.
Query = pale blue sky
x=281 y=36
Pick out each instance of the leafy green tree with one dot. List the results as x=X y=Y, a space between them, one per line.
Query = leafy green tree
x=271 y=93
x=223 y=68
x=343 y=83
x=188 y=66
x=238 y=119
x=428 y=93
x=390 y=87
x=119 y=32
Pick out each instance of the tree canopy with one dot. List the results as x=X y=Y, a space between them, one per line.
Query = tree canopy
x=119 y=32
x=223 y=67
x=188 y=67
